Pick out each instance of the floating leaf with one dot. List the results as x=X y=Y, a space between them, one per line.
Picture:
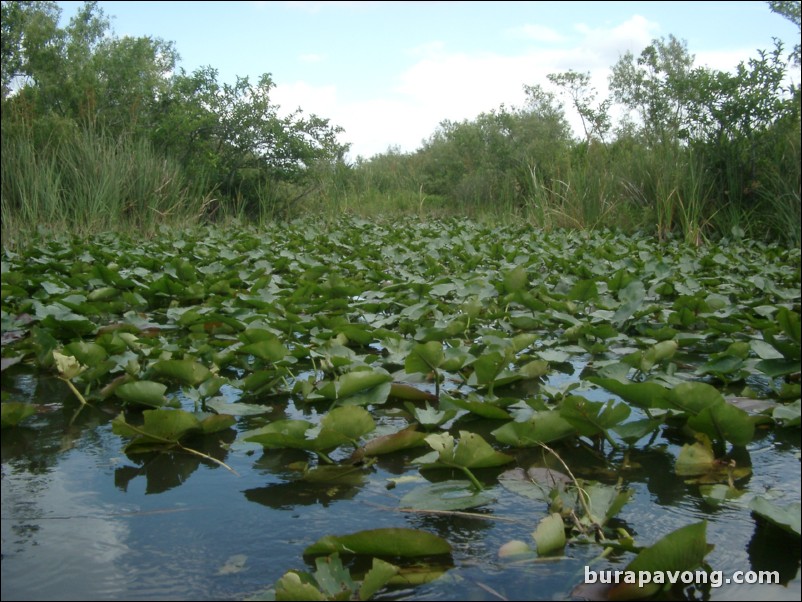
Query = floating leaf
x=270 y=350
x=293 y=586
x=410 y=393
x=632 y=432
x=643 y=395
x=446 y=495
x=604 y=502
x=535 y=483
x=785 y=517
x=88 y=354
x=788 y=415
x=425 y=357
x=221 y=406
x=354 y=382
x=724 y=422
x=549 y=535
x=680 y=550
x=591 y=418
x=143 y=392
x=542 y=427
x=716 y=495
x=187 y=372
x=382 y=542
x=387 y=444
x=698 y=461
x=470 y=452
x=478 y=406
x=376 y=578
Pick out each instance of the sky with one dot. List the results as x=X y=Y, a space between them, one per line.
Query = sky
x=390 y=72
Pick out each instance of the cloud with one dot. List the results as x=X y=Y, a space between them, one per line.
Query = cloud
x=443 y=84
x=321 y=100
x=608 y=44
x=538 y=33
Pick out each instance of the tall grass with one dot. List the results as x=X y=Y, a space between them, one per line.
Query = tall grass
x=85 y=181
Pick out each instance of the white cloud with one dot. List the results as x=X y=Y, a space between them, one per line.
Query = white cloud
x=608 y=44
x=538 y=33
x=321 y=100
x=442 y=84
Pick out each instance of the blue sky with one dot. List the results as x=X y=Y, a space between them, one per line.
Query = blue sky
x=389 y=72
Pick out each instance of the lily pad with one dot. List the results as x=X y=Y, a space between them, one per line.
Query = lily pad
x=446 y=495
x=392 y=542
x=785 y=517
x=680 y=550
x=550 y=535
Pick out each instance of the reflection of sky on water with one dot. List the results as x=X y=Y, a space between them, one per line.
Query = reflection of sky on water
x=70 y=530
x=58 y=535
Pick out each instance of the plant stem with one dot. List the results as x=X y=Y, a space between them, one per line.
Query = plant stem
x=206 y=457
x=75 y=391
x=472 y=478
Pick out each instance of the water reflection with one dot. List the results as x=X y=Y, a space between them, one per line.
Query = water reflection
x=772 y=549
x=168 y=469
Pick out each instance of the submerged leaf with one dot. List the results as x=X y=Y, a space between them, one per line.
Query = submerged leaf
x=14 y=412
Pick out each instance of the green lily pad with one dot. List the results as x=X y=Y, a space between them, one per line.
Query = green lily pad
x=723 y=421
x=788 y=414
x=187 y=372
x=542 y=427
x=591 y=418
x=680 y=550
x=377 y=577
x=786 y=517
x=387 y=444
x=143 y=392
x=446 y=495
x=393 y=542
x=535 y=483
x=550 y=535
x=643 y=395
x=424 y=358
x=470 y=452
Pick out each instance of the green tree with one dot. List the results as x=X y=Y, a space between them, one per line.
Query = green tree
x=234 y=133
x=657 y=85
x=596 y=122
x=791 y=10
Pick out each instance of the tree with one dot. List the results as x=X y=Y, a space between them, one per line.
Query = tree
x=791 y=10
x=595 y=117
x=234 y=133
x=657 y=86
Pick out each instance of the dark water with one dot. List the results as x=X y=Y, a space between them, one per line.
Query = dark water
x=82 y=521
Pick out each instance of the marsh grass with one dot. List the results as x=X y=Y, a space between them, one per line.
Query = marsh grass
x=86 y=181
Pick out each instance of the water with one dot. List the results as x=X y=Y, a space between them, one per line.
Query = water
x=82 y=521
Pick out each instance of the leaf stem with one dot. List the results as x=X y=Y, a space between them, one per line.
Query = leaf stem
x=472 y=478
x=75 y=391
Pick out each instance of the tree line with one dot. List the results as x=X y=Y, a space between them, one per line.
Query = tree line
x=98 y=128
